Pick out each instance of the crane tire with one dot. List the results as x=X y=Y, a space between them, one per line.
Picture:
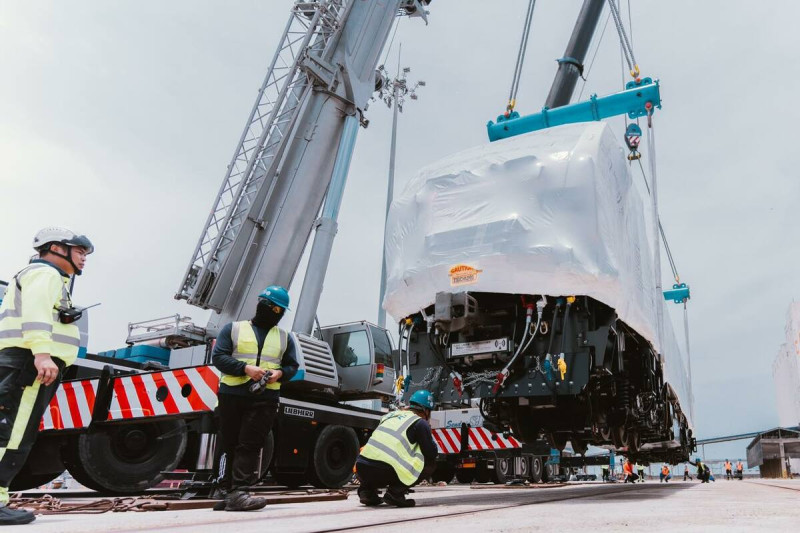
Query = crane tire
x=126 y=458
x=333 y=456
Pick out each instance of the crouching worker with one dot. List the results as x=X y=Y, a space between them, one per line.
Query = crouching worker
x=399 y=454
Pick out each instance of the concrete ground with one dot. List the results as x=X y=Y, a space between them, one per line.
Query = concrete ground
x=763 y=505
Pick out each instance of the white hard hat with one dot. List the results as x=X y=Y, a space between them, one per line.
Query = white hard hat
x=61 y=236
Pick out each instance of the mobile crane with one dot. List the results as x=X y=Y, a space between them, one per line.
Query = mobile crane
x=122 y=418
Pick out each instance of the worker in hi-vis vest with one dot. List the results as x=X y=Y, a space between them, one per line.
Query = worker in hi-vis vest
x=399 y=454
x=38 y=339
x=255 y=356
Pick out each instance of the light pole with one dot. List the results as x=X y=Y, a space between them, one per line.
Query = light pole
x=393 y=92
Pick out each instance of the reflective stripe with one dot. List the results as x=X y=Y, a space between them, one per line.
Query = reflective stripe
x=393 y=454
x=11 y=334
x=12 y=313
x=400 y=434
x=37 y=326
x=66 y=339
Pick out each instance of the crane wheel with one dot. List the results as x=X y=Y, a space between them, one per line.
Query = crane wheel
x=126 y=458
x=503 y=470
x=335 y=452
x=537 y=470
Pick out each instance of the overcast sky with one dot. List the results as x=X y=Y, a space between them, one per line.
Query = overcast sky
x=119 y=118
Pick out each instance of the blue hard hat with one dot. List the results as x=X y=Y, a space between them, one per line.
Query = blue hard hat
x=697 y=459
x=422 y=398
x=276 y=295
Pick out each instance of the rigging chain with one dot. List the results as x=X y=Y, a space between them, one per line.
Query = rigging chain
x=523 y=45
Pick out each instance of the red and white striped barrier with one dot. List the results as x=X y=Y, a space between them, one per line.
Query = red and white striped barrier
x=173 y=392
x=449 y=440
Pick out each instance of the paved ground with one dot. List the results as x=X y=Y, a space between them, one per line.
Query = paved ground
x=685 y=507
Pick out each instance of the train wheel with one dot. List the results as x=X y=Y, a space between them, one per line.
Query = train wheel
x=444 y=472
x=335 y=452
x=503 y=470
x=536 y=469
x=633 y=441
x=465 y=475
x=126 y=458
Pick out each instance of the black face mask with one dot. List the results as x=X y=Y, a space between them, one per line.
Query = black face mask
x=265 y=317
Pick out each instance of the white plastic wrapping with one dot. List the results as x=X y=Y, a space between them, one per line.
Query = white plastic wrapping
x=552 y=212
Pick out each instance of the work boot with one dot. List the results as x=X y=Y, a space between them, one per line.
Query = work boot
x=219 y=494
x=15 y=517
x=398 y=499
x=239 y=500
x=369 y=497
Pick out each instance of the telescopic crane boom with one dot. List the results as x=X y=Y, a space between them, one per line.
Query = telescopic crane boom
x=301 y=129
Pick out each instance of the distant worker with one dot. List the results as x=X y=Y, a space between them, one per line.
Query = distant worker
x=703 y=472
x=38 y=339
x=739 y=469
x=605 y=473
x=686 y=475
x=665 y=474
x=255 y=356
x=728 y=470
x=400 y=453
x=640 y=472
x=630 y=477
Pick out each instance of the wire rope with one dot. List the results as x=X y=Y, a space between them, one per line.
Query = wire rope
x=523 y=46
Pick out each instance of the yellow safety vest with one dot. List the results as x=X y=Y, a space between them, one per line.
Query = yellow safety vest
x=29 y=314
x=389 y=444
x=245 y=348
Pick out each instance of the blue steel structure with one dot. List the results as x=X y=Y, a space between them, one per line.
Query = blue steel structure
x=640 y=97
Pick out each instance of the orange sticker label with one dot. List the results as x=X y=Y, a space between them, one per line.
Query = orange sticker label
x=463 y=275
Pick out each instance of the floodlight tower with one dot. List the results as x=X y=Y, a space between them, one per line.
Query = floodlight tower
x=393 y=93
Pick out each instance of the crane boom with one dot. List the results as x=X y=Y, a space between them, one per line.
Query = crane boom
x=322 y=73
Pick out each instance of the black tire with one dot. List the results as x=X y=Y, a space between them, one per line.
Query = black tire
x=290 y=480
x=465 y=475
x=266 y=455
x=503 y=470
x=549 y=473
x=126 y=458
x=537 y=470
x=444 y=472
x=335 y=452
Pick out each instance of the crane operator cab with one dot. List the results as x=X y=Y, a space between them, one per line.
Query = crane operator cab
x=363 y=356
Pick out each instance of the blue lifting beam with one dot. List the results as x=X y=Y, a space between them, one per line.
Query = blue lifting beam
x=638 y=98
x=678 y=294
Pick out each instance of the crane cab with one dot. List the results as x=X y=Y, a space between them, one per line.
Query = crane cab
x=362 y=353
